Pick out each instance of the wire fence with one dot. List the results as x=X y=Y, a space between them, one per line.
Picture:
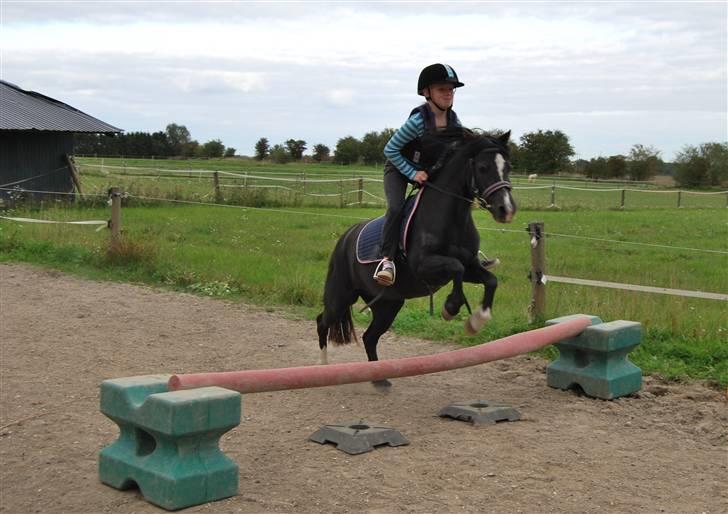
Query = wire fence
x=136 y=199
x=362 y=188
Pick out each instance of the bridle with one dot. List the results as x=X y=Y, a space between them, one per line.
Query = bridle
x=482 y=197
x=479 y=197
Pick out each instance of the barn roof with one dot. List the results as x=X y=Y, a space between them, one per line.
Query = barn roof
x=28 y=110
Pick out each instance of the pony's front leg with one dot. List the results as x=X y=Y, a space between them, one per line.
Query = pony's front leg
x=438 y=269
x=478 y=275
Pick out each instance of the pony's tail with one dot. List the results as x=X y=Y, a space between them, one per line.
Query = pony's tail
x=338 y=298
x=342 y=331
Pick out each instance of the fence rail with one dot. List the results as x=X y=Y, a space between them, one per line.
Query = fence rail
x=539 y=278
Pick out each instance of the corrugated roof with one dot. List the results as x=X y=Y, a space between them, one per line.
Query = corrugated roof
x=28 y=110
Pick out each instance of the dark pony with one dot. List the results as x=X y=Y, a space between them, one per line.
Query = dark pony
x=442 y=244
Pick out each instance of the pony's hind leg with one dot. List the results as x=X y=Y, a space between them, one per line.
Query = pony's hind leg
x=383 y=314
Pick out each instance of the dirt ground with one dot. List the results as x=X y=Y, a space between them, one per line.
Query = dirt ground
x=664 y=449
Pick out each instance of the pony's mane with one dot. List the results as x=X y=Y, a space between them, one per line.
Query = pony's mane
x=450 y=141
x=484 y=139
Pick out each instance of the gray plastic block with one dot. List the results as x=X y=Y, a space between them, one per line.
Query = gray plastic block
x=480 y=412
x=358 y=437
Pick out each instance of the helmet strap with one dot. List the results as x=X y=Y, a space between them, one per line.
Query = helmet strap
x=429 y=99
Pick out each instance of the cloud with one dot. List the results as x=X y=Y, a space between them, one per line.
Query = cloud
x=340 y=97
x=217 y=81
x=326 y=70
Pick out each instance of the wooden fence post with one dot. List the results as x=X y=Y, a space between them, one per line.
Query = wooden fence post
x=115 y=218
x=74 y=174
x=216 y=182
x=623 y=194
x=537 y=307
x=361 y=191
x=679 y=199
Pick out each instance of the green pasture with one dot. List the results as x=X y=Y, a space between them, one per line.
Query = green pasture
x=278 y=257
x=257 y=184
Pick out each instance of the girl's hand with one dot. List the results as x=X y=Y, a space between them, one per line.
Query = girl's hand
x=420 y=177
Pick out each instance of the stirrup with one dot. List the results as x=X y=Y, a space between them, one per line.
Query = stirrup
x=487 y=263
x=381 y=280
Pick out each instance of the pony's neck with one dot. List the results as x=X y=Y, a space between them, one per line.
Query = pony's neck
x=453 y=178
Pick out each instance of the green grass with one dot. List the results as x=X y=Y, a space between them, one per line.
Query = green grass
x=278 y=257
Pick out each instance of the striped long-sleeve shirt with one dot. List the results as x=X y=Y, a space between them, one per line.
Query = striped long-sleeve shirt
x=413 y=128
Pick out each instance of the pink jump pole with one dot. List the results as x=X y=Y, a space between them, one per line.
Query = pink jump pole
x=262 y=380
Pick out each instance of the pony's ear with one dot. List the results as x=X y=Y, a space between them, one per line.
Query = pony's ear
x=503 y=138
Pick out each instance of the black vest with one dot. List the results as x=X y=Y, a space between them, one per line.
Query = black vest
x=425 y=155
x=429 y=118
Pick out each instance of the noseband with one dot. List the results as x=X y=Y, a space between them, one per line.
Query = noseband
x=483 y=196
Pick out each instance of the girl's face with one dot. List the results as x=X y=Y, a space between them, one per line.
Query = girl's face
x=442 y=94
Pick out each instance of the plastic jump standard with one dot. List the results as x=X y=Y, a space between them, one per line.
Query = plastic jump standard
x=596 y=359
x=168 y=441
x=257 y=381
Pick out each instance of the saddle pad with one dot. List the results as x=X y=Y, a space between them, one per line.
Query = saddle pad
x=369 y=241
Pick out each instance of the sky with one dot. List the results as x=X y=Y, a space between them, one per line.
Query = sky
x=608 y=74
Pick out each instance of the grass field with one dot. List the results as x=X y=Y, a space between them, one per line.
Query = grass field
x=278 y=257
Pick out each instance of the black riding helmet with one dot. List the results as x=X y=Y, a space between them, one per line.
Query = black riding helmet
x=437 y=74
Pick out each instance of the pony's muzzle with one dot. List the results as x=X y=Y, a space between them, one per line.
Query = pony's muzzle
x=503 y=212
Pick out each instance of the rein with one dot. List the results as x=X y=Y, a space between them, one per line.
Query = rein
x=482 y=198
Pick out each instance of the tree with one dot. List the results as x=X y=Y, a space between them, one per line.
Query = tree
x=596 y=168
x=177 y=136
x=213 y=148
x=279 y=154
x=717 y=155
x=296 y=147
x=160 y=144
x=706 y=165
x=580 y=165
x=347 y=150
x=515 y=152
x=369 y=148
x=616 y=166
x=643 y=162
x=191 y=149
x=372 y=145
x=545 y=152
x=321 y=152
x=262 y=149
x=229 y=151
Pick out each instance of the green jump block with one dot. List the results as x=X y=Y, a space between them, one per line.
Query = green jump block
x=168 y=443
x=596 y=360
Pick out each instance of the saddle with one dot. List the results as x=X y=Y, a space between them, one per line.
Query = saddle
x=369 y=241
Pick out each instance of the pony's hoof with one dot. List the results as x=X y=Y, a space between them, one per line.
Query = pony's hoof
x=469 y=329
x=476 y=321
x=383 y=386
x=446 y=314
